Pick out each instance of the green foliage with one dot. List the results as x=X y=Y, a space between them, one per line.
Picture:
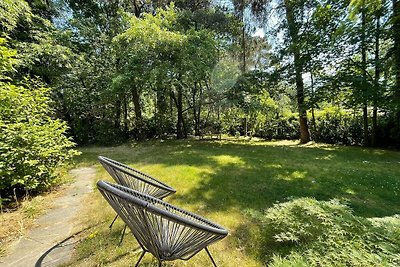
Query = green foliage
x=32 y=143
x=159 y=58
x=11 y=12
x=7 y=59
x=45 y=58
x=307 y=232
x=143 y=69
x=334 y=125
x=263 y=105
x=154 y=48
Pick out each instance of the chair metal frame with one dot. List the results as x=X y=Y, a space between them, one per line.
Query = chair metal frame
x=137 y=180
x=164 y=230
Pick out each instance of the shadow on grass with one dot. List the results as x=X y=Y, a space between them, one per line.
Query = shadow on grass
x=256 y=175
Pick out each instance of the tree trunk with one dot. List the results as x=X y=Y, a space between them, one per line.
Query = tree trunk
x=138 y=112
x=180 y=131
x=313 y=126
x=137 y=8
x=396 y=48
x=239 y=10
x=117 y=118
x=377 y=76
x=196 y=111
x=165 y=110
x=364 y=69
x=243 y=43
x=199 y=106
x=298 y=64
x=125 y=117
x=219 y=122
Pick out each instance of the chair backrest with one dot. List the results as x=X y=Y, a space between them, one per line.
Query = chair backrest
x=164 y=230
x=132 y=178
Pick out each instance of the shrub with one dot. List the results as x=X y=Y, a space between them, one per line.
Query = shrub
x=334 y=125
x=32 y=144
x=307 y=232
x=285 y=127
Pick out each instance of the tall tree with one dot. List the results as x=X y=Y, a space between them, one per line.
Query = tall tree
x=366 y=32
x=396 y=53
x=293 y=29
x=161 y=54
x=294 y=26
x=378 y=70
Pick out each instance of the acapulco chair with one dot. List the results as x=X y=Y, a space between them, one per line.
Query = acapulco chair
x=166 y=231
x=137 y=180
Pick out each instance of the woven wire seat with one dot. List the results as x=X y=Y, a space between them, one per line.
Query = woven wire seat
x=132 y=178
x=165 y=231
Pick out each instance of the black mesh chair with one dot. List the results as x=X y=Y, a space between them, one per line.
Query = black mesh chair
x=132 y=178
x=165 y=231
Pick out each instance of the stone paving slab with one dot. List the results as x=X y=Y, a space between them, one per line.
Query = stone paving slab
x=51 y=242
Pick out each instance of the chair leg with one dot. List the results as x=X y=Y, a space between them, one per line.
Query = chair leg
x=113 y=222
x=209 y=254
x=122 y=236
x=141 y=257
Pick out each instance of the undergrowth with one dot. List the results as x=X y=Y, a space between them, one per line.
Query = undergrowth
x=307 y=232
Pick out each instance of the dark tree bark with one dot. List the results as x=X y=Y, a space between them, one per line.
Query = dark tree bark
x=298 y=64
x=126 y=134
x=313 y=126
x=117 y=118
x=364 y=69
x=180 y=131
x=199 y=107
x=377 y=76
x=396 y=46
x=196 y=108
x=240 y=6
x=138 y=112
x=244 y=67
x=138 y=7
x=162 y=110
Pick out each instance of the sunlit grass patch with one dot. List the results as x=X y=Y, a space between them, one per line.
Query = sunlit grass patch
x=227 y=180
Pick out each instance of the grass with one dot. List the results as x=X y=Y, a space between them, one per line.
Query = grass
x=227 y=180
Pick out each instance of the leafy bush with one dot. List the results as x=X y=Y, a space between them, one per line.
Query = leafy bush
x=282 y=128
x=337 y=126
x=307 y=232
x=32 y=143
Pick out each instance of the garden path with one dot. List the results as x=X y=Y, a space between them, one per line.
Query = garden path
x=51 y=242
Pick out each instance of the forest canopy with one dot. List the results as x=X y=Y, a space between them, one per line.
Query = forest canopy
x=325 y=70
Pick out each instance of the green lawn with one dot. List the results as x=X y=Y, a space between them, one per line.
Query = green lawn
x=227 y=180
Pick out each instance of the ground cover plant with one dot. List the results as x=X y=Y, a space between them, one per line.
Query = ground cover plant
x=276 y=198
